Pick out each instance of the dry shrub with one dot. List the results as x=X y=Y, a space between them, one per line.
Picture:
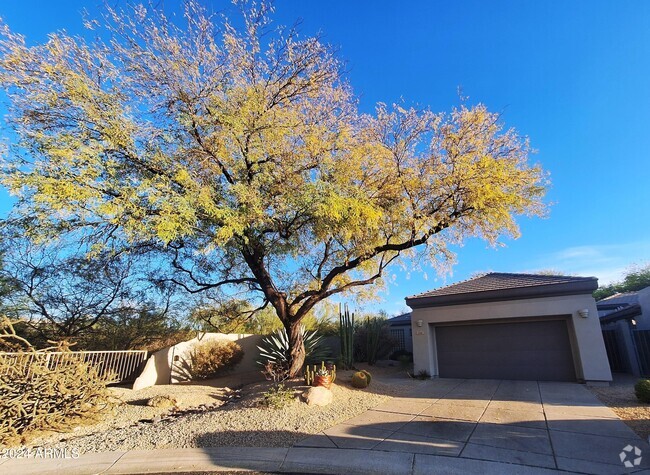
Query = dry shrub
x=36 y=398
x=214 y=358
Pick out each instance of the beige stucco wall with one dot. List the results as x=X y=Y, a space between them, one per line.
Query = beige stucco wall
x=167 y=365
x=589 y=349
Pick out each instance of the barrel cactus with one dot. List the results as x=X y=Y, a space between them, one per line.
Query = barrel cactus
x=359 y=380
x=368 y=375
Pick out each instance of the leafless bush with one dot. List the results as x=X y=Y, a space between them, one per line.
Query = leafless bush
x=214 y=358
x=36 y=397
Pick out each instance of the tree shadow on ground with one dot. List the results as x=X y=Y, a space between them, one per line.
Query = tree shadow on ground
x=525 y=443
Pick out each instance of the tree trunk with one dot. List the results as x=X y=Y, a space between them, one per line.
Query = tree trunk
x=296 y=347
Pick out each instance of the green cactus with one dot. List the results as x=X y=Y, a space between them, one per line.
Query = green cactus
x=360 y=380
x=323 y=370
x=368 y=375
x=374 y=327
x=346 y=334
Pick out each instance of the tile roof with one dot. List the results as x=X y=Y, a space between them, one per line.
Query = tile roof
x=404 y=318
x=627 y=298
x=499 y=286
x=501 y=281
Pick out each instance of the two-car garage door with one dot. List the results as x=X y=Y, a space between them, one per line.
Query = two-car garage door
x=532 y=350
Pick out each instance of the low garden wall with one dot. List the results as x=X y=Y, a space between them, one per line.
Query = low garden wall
x=170 y=365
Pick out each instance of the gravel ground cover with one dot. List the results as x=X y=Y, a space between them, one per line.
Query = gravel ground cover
x=205 y=421
x=619 y=396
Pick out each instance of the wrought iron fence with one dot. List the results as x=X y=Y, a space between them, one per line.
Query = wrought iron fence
x=124 y=365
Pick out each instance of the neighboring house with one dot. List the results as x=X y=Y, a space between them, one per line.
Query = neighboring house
x=510 y=326
x=400 y=330
x=625 y=320
x=629 y=305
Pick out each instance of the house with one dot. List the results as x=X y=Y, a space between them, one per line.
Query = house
x=400 y=330
x=510 y=326
x=625 y=321
x=626 y=305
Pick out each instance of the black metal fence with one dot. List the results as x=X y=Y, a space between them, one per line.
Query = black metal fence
x=617 y=358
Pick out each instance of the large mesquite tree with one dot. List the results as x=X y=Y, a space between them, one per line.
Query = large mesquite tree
x=240 y=154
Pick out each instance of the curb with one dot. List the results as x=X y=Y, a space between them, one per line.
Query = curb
x=263 y=459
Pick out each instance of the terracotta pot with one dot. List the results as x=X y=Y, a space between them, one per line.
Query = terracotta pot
x=325 y=381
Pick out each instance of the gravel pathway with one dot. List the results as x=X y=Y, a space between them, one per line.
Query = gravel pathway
x=240 y=423
x=621 y=399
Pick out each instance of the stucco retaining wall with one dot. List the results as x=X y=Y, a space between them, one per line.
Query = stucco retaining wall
x=168 y=366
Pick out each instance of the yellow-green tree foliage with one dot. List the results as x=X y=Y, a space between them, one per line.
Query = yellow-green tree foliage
x=243 y=154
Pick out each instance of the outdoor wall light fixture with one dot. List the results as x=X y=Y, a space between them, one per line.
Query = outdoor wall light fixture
x=419 y=323
x=584 y=313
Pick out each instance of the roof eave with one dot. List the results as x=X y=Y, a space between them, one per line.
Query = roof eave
x=626 y=313
x=586 y=286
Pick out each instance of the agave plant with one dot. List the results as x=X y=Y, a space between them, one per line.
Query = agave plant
x=275 y=347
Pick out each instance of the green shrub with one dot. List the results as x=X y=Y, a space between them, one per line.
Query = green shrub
x=36 y=398
x=423 y=374
x=405 y=361
x=642 y=390
x=399 y=355
x=214 y=358
x=372 y=341
x=278 y=396
x=359 y=380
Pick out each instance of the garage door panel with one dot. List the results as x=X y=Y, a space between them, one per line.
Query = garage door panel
x=538 y=350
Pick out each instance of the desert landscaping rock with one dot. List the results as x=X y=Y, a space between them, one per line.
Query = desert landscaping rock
x=317 y=396
x=621 y=399
x=210 y=416
x=161 y=401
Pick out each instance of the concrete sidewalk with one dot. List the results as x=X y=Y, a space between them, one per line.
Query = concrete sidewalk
x=292 y=460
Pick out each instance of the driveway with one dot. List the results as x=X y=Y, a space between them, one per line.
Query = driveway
x=527 y=423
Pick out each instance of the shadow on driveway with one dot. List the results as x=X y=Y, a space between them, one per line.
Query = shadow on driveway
x=544 y=425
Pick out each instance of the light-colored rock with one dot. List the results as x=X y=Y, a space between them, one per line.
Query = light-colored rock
x=245 y=423
x=317 y=396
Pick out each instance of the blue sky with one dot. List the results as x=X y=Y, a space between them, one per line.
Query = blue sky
x=572 y=75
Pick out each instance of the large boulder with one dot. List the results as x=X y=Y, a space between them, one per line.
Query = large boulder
x=317 y=396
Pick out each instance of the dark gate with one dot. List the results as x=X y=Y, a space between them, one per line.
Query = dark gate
x=642 y=342
x=616 y=357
